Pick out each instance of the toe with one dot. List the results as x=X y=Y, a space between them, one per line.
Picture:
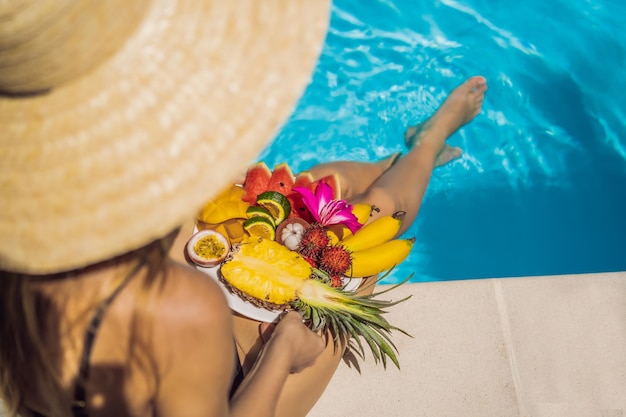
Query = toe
x=477 y=84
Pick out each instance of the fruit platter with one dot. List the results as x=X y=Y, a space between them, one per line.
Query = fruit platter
x=280 y=241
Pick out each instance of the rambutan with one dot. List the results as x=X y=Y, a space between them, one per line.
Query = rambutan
x=335 y=260
x=311 y=261
x=314 y=239
x=336 y=282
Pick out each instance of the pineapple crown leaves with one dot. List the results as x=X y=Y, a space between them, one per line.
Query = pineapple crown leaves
x=357 y=317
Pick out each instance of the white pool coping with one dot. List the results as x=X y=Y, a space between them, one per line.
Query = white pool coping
x=534 y=346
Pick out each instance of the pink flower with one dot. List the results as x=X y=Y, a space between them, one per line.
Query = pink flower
x=327 y=211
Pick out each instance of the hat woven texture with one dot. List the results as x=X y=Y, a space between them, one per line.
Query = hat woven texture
x=119 y=119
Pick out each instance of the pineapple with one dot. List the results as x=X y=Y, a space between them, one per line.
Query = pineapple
x=269 y=275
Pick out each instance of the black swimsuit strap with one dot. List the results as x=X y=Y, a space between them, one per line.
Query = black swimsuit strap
x=80 y=394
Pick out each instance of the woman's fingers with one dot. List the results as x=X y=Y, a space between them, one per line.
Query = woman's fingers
x=266 y=330
x=296 y=338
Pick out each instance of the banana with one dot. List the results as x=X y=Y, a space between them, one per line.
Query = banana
x=380 y=258
x=375 y=233
x=362 y=212
x=336 y=232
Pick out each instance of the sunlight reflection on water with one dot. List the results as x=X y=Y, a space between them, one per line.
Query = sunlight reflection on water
x=540 y=187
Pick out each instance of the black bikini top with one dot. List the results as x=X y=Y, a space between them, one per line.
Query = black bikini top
x=79 y=403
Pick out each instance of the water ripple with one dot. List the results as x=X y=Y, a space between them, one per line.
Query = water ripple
x=547 y=151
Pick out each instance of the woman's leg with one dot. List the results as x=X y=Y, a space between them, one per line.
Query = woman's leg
x=391 y=184
x=354 y=177
x=400 y=184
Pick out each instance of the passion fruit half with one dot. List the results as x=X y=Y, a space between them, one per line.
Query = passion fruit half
x=208 y=248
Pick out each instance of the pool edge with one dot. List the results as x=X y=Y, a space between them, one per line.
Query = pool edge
x=548 y=345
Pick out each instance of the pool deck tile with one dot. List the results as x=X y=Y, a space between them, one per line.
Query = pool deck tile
x=535 y=346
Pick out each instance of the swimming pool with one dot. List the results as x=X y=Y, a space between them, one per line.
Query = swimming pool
x=541 y=187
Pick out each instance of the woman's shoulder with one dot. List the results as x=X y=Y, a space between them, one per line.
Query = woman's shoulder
x=188 y=311
x=190 y=323
x=187 y=294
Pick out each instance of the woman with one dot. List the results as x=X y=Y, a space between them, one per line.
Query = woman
x=395 y=183
x=117 y=121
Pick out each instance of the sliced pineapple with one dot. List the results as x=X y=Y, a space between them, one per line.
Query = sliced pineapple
x=270 y=275
x=266 y=271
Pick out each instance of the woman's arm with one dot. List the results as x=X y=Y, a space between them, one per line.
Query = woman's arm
x=302 y=390
x=292 y=347
x=195 y=353
x=193 y=347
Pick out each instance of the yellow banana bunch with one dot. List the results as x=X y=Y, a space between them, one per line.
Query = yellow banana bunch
x=375 y=233
x=379 y=258
x=362 y=212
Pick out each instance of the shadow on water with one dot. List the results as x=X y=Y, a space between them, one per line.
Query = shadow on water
x=560 y=100
x=538 y=231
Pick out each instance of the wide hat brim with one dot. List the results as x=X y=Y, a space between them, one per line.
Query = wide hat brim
x=127 y=152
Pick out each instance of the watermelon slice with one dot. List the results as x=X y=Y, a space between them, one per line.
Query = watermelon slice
x=305 y=180
x=260 y=179
x=282 y=179
x=333 y=181
x=257 y=180
x=298 y=209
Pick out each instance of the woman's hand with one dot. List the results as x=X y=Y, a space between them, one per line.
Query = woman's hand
x=295 y=339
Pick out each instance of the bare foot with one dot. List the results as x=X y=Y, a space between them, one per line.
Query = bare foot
x=447 y=154
x=459 y=108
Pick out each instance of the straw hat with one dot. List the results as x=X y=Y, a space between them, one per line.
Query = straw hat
x=120 y=118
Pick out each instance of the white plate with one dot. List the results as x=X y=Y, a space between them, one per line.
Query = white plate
x=248 y=309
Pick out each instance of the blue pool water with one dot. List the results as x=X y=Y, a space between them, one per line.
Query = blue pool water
x=541 y=187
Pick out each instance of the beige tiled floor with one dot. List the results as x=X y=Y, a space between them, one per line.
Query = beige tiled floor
x=542 y=346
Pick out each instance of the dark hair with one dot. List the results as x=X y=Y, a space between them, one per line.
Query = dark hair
x=29 y=328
